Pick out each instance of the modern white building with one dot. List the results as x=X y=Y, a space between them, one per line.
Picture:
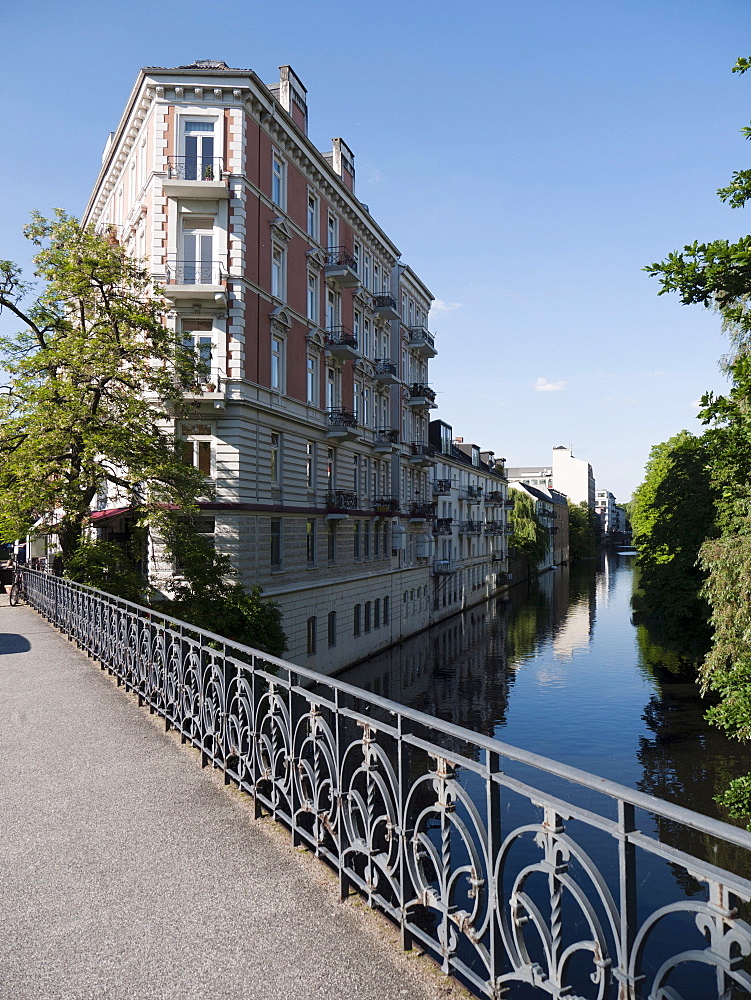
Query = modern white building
x=573 y=476
x=313 y=420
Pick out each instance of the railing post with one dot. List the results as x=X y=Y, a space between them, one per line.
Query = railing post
x=493 y=847
x=627 y=890
x=403 y=834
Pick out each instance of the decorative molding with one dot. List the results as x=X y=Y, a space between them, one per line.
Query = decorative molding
x=280 y=229
x=280 y=317
x=316 y=256
x=316 y=338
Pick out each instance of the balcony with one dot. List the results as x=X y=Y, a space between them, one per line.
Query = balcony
x=442 y=488
x=384 y=306
x=495 y=528
x=470 y=527
x=443 y=567
x=472 y=494
x=443 y=526
x=386 y=440
x=494 y=496
x=421 y=397
x=341 y=343
x=342 y=425
x=387 y=505
x=195 y=177
x=421 y=341
x=421 y=454
x=339 y=503
x=191 y=279
x=420 y=512
x=386 y=372
x=341 y=266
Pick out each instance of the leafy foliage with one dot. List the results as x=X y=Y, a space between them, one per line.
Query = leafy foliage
x=583 y=532
x=529 y=538
x=109 y=567
x=93 y=374
x=717 y=275
x=672 y=513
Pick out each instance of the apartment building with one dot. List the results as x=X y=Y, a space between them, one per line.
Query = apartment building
x=313 y=419
x=470 y=495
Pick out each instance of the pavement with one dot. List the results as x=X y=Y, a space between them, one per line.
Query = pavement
x=127 y=871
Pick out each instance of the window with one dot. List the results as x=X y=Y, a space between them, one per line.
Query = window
x=366 y=339
x=377 y=278
x=358 y=532
x=356 y=620
x=333 y=308
x=310 y=541
x=310 y=465
x=366 y=540
x=198 y=145
x=332 y=628
x=331 y=389
x=312 y=631
x=376 y=540
x=278 y=178
x=377 y=613
x=367 y=616
x=333 y=232
x=277 y=363
x=197 y=446
x=196 y=266
x=312 y=216
x=330 y=468
x=312 y=297
x=197 y=337
x=276 y=541
x=277 y=272
x=366 y=271
x=275 y=460
x=331 y=546
x=312 y=380
x=385 y=611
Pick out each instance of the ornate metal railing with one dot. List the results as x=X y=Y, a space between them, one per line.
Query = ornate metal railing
x=192 y=272
x=341 y=500
x=340 y=416
x=194 y=168
x=521 y=875
x=341 y=257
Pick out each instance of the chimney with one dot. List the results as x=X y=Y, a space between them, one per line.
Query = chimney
x=342 y=161
x=292 y=96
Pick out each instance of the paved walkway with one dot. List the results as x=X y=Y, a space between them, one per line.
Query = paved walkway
x=128 y=872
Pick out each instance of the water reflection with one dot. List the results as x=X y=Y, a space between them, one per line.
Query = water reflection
x=557 y=667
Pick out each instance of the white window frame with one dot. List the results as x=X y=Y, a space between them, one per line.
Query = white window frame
x=278 y=180
x=313 y=297
x=278 y=272
x=313 y=217
x=278 y=366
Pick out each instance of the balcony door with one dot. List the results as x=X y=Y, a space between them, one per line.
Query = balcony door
x=198 y=251
x=198 y=163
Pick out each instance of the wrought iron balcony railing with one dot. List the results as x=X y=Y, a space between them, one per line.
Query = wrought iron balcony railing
x=421 y=449
x=340 y=416
x=494 y=528
x=418 y=336
x=387 y=505
x=341 y=500
x=194 y=168
x=341 y=257
x=442 y=487
x=494 y=496
x=470 y=527
x=387 y=435
x=384 y=302
x=191 y=272
x=340 y=336
x=383 y=366
x=443 y=526
x=420 y=391
x=420 y=509
x=472 y=492
x=519 y=873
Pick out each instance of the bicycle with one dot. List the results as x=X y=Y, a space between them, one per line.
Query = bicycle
x=17 y=589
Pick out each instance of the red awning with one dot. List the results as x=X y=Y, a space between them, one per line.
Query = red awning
x=103 y=515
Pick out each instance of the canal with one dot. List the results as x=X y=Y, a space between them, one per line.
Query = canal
x=557 y=667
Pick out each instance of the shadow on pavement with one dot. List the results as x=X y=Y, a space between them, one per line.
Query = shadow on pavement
x=11 y=642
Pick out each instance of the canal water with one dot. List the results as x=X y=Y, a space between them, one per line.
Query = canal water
x=557 y=667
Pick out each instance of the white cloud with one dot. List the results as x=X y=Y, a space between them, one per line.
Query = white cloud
x=656 y=374
x=440 y=306
x=374 y=176
x=544 y=385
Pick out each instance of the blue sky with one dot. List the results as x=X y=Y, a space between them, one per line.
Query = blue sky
x=527 y=158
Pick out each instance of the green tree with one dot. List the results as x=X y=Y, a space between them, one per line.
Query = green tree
x=672 y=513
x=717 y=275
x=95 y=377
x=529 y=539
x=583 y=531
